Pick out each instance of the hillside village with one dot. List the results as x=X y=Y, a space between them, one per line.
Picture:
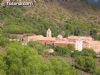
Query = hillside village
x=49 y=37
x=78 y=42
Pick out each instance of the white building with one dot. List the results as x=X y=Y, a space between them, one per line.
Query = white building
x=79 y=45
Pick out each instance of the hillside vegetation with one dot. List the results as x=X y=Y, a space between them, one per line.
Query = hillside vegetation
x=69 y=18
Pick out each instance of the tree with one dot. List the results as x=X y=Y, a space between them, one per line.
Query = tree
x=22 y=60
x=86 y=63
x=88 y=52
x=41 y=49
x=93 y=32
x=2 y=65
x=77 y=32
x=76 y=53
x=60 y=50
x=97 y=71
x=64 y=51
x=61 y=67
x=3 y=41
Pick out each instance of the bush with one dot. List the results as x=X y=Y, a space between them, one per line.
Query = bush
x=64 y=51
x=3 y=41
x=3 y=66
x=85 y=63
x=88 y=52
x=41 y=49
x=97 y=71
x=76 y=53
x=61 y=67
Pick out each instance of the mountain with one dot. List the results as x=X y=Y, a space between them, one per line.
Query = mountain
x=56 y=14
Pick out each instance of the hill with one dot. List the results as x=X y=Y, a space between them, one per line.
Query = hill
x=63 y=17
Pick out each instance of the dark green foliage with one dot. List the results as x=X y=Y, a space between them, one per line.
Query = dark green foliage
x=85 y=60
x=64 y=51
x=76 y=53
x=94 y=34
x=74 y=27
x=3 y=40
x=3 y=66
x=85 y=63
x=88 y=52
x=97 y=71
x=61 y=68
x=84 y=52
x=41 y=49
x=60 y=50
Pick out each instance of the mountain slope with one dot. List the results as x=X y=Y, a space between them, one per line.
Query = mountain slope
x=62 y=17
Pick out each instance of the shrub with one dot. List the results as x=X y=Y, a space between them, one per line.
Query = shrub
x=41 y=49
x=97 y=71
x=85 y=63
x=64 y=51
x=88 y=52
x=3 y=41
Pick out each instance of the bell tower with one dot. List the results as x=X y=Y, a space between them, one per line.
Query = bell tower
x=49 y=34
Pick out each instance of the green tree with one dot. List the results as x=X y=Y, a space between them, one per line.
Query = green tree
x=64 y=51
x=3 y=41
x=60 y=50
x=88 y=52
x=86 y=63
x=61 y=67
x=97 y=71
x=41 y=49
x=76 y=53
x=22 y=60
x=2 y=65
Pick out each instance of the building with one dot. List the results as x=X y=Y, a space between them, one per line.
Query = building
x=78 y=42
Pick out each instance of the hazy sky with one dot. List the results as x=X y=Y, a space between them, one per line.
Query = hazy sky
x=95 y=2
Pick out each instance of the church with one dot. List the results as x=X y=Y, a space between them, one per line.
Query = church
x=78 y=42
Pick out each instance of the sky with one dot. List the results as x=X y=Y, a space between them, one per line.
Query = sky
x=94 y=2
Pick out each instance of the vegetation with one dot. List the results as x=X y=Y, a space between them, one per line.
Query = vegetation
x=19 y=23
x=89 y=52
x=3 y=40
x=85 y=60
x=85 y=63
x=64 y=51
x=97 y=71
x=24 y=60
x=33 y=59
x=41 y=49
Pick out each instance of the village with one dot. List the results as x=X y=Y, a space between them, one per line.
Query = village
x=78 y=42
x=49 y=37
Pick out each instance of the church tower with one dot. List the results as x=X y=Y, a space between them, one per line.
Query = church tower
x=49 y=33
